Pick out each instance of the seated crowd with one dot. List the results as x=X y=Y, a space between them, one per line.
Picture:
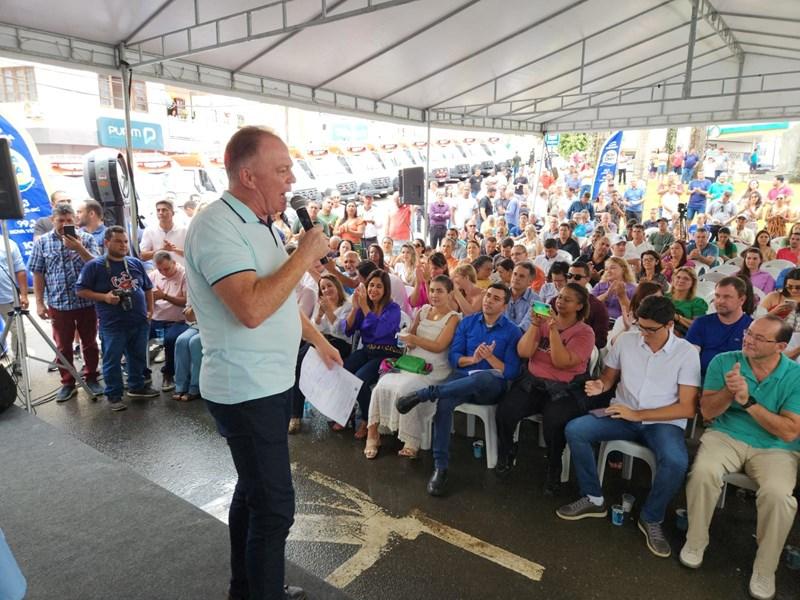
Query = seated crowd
x=607 y=332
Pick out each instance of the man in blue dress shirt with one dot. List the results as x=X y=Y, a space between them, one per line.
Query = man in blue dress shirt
x=484 y=357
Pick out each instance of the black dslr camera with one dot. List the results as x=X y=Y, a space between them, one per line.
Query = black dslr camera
x=125 y=299
x=682 y=209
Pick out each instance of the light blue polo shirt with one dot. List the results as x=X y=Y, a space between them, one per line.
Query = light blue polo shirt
x=239 y=363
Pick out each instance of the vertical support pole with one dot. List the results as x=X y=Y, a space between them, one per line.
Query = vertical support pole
x=427 y=171
x=539 y=169
x=687 y=78
x=583 y=61
x=127 y=73
x=739 y=87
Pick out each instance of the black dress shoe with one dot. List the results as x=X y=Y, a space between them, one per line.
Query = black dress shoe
x=437 y=481
x=406 y=403
x=292 y=592
x=504 y=466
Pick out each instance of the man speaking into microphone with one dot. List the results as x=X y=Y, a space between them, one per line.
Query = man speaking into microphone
x=241 y=285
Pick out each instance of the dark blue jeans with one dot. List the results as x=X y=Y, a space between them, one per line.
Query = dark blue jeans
x=364 y=364
x=691 y=212
x=665 y=440
x=478 y=388
x=262 y=509
x=130 y=342
x=172 y=330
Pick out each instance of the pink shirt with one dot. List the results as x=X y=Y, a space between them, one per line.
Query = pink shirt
x=163 y=310
x=578 y=339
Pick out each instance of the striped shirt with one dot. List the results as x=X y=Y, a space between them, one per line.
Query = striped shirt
x=61 y=268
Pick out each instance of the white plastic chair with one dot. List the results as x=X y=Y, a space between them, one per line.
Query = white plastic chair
x=739 y=480
x=704 y=288
x=741 y=247
x=629 y=450
x=727 y=269
x=778 y=243
x=774 y=267
x=759 y=294
x=485 y=413
x=738 y=261
x=711 y=276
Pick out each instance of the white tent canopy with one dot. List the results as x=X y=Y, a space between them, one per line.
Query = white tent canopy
x=513 y=65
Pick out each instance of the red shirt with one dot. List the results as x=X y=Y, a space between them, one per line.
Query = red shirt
x=578 y=339
x=399 y=226
x=787 y=254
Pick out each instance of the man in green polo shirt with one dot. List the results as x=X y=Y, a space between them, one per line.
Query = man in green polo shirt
x=753 y=397
x=241 y=285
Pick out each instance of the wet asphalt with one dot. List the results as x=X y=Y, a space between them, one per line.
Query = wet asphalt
x=353 y=515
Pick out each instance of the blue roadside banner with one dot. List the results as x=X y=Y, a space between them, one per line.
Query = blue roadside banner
x=607 y=161
x=35 y=198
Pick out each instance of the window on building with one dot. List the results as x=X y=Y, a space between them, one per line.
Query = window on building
x=110 y=89
x=17 y=84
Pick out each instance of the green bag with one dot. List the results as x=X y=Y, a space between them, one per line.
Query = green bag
x=412 y=364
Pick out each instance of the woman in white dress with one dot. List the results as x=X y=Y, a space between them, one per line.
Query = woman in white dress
x=428 y=338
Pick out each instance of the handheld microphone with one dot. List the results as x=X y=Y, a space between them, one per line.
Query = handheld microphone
x=304 y=218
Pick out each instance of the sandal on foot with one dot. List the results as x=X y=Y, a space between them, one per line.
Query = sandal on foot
x=337 y=427
x=179 y=396
x=371 y=449
x=361 y=432
x=406 y=452
x=294 y=425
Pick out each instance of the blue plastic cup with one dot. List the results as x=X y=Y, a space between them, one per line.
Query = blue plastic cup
x=681 y=519
x=617 y=514
x=793 y=558
x=477 y=449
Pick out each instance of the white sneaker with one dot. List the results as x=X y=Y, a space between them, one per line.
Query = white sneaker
x=762 y=585
x=691 y=557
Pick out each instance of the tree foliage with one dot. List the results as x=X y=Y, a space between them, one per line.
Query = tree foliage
x=572 y=142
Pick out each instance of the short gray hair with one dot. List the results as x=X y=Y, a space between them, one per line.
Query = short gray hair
x=162 y=255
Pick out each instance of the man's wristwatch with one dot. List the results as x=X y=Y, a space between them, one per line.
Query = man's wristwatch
x=750 y=402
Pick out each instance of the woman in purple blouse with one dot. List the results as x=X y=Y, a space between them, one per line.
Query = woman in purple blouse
x=377 y=319
x=616 y=288
x=751 y=269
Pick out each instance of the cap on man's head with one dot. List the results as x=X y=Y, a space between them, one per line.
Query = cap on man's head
x=662 y=220
x=618 y=239
x=742 y=217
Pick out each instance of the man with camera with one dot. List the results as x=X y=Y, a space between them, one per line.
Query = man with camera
x=123 y=294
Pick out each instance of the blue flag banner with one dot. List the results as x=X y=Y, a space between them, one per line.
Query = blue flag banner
x=607 y=162
x=35 y=198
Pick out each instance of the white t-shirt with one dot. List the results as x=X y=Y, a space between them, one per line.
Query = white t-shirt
x=632 y=251
x=370 y=228
x=670 y=203
x=153 y=239
x=650 y=380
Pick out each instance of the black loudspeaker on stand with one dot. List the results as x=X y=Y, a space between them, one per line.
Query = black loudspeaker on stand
x=412 y=185
x=11 y=207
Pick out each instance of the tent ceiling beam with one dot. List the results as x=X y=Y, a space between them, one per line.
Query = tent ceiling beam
x=184 y=35
x=399 y=42
x=768 y=17
x=594 y=62
x=148 y=20
x=601 y=77
x=687 y=78
x=549 y=55
x=483 y=49
x=715 y=20
x=284 y=39
x=677 y=65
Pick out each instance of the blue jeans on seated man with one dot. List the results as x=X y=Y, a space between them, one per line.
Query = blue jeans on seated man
x=479 y=388
x=665 y=440
x=172 y=329
x=128 y=341
x=262 y=509
x=188 y=357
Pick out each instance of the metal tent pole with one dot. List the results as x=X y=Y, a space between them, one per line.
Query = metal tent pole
x=126 y=102
x=427 y=171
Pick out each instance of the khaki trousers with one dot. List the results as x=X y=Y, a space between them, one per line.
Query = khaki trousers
x=775 y=472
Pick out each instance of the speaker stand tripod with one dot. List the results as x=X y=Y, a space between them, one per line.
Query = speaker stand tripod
x=16 y=319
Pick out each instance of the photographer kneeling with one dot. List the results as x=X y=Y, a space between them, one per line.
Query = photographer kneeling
x=122 y=291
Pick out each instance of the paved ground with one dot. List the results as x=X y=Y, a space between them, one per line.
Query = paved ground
x=370 y=528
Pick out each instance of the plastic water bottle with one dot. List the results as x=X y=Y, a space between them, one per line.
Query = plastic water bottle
x=306 y=409
x=159 y=336
x=400 y=342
